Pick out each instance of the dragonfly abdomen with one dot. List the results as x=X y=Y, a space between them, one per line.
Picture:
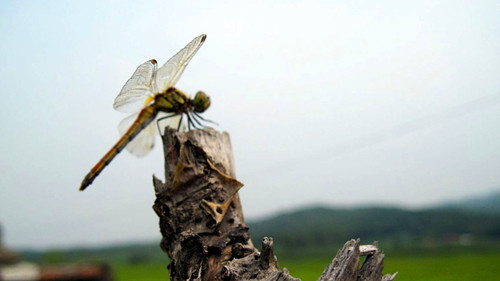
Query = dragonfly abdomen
x=145 y=117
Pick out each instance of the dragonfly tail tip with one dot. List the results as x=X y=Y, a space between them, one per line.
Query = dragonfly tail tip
x=84 y=185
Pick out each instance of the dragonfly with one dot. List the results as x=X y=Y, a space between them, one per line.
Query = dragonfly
x=151 y=95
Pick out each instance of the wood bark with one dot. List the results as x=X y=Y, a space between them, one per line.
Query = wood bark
x=203 y=227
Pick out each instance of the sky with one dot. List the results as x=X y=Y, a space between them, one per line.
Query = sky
x=339 y=103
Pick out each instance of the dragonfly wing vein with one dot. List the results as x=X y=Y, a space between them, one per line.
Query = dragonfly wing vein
x=137 y=89
x=171 y=71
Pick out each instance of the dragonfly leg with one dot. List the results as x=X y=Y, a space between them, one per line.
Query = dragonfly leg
x=206 y=120
x=163 y=118
x=195 y=120
x=190 y=122
x=198 y=121
x=180 y=123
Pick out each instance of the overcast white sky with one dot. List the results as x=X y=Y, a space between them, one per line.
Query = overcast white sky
x=333 y=102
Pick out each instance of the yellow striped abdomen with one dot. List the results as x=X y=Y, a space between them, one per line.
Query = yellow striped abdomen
x=145 y=117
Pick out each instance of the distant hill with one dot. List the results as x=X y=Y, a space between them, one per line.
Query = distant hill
x=318 y=227
x=489 y=203
x=133 y=253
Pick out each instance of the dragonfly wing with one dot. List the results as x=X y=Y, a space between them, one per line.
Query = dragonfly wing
x=138 y=88
x=171 y=71
x=143 y=142
x=171 y=121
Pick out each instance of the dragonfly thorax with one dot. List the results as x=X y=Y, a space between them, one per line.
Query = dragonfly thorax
x=172 y=100
x=176 y=101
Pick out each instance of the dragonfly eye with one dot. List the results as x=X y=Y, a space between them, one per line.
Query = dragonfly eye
x=201 y=102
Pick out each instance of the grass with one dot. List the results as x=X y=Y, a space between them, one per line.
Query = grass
x=444 y=267
x=429 y=267
x=154 y=271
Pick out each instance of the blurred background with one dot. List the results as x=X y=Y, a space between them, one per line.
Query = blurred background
x=378 y=120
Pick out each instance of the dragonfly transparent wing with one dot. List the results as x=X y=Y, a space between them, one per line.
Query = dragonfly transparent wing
x=171 y=71
x=143 y=142
x=138 y=88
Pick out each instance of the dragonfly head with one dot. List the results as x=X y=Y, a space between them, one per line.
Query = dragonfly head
x=201 y=102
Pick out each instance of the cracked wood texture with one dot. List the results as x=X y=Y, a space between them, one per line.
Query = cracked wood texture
x=202 y=224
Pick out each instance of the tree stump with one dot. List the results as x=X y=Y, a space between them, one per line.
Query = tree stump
x=203 y=227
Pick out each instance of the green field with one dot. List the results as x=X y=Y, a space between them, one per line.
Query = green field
x=429 y=267
x=459 y=267
x=146 y=271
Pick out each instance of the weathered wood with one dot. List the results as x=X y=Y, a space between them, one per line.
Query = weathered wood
x=202 y=224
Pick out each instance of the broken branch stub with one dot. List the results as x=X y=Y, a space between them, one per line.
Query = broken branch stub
x=201 y=220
